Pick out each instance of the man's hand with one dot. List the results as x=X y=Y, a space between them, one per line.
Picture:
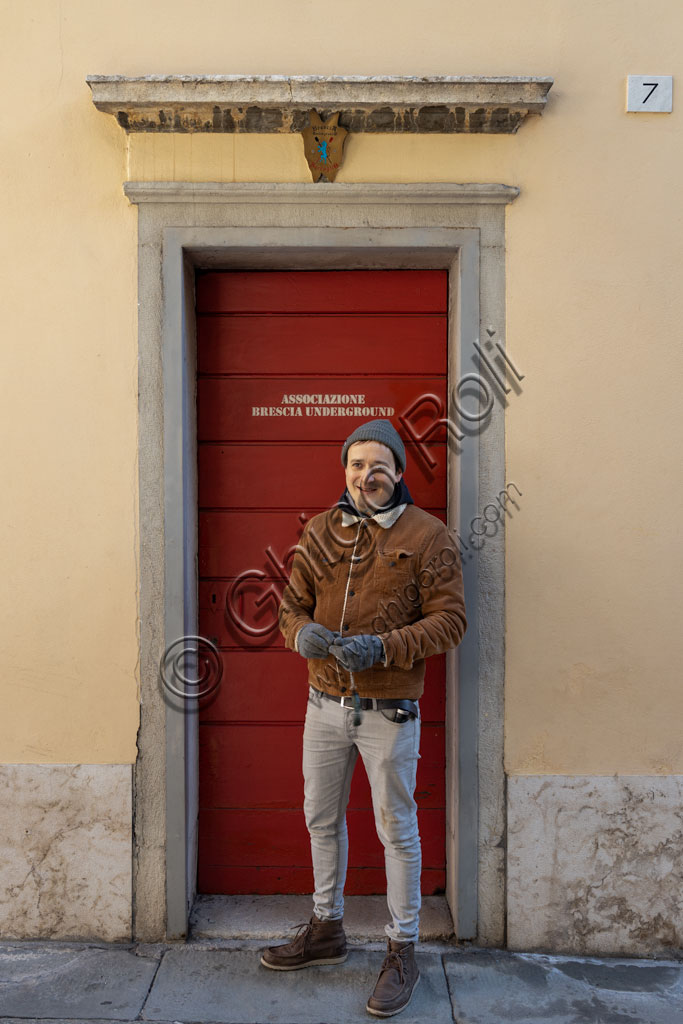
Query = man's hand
x=357 y=653
x=313 y=640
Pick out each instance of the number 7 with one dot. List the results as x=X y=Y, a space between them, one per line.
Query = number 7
x=654 y=86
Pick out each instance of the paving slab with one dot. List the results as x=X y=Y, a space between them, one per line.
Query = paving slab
x=488 y=987
x=231 y=987
x=74 y=982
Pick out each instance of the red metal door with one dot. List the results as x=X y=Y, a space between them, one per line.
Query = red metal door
x=277 y=351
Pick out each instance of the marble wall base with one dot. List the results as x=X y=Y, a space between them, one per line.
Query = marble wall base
x=595 y=864
x=65 y=851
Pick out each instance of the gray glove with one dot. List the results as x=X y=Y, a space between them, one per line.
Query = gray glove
x=357 y=653
x=314 y=639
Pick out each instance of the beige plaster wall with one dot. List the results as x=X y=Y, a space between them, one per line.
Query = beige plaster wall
x=594 y=247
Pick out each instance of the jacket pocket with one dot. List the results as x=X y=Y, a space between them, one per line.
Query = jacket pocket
x=397 y=595
x=393 y=566
x=331 y=568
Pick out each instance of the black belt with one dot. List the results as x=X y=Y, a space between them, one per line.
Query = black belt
x=372 y=703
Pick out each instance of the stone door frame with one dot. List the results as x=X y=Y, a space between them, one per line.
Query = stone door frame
x=186 y=226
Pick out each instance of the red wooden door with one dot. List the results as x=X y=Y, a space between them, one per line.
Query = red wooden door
x=282 y=359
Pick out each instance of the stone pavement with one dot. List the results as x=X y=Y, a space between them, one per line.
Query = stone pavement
x=209 y=981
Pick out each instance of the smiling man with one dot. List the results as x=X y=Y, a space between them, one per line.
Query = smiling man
x=371 y=475
x=376 y=587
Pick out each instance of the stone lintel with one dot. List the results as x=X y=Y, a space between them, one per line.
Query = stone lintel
x=351 y=194
x=281 y=104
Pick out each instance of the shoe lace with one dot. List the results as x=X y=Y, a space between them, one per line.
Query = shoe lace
x=303 y=931
x=394 y=961
x=302 y=934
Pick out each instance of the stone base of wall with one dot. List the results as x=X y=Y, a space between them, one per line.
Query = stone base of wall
x=65 y=851
x=595 y=864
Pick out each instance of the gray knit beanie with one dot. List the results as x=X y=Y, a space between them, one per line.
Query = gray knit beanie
x=377 y=430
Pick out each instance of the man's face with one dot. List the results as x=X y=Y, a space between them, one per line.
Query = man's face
x=371 y=475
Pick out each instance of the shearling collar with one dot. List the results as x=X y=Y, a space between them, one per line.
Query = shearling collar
x=399 y=501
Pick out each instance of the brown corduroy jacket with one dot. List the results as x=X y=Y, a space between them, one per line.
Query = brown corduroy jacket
x=403 y=584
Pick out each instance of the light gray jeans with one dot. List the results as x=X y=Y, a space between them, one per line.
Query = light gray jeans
x=390 y=753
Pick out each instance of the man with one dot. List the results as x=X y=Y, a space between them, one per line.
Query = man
x=376 y=587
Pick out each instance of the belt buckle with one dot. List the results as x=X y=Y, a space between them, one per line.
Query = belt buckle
x=349 y=707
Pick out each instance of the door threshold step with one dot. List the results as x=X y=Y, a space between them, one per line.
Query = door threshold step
x=275 y=917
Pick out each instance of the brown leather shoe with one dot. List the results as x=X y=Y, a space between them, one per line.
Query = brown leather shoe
x=397 y=980
x=316 y=943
